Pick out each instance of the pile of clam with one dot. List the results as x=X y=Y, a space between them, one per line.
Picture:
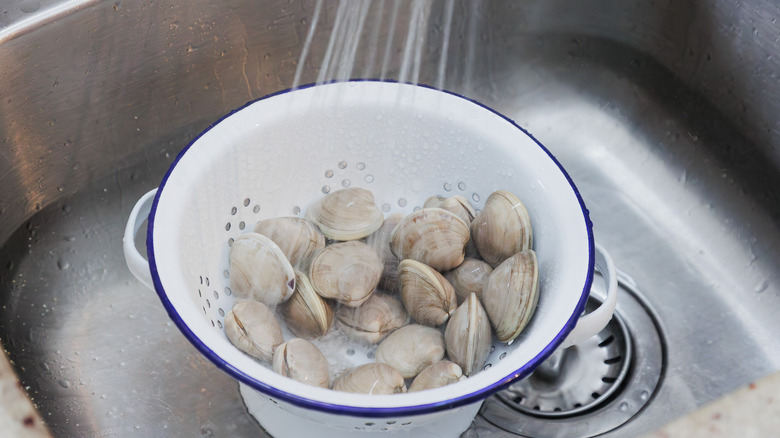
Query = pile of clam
x=424 y=288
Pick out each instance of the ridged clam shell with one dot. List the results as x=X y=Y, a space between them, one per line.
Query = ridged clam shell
x=302 y=361
x=306 y=313
x=347 y=272
x=456 y=204
x=298 y=238
x=411 y=349
x=259 y=270
x=511 y=294
x=372 y=379
x=439 y=374
x=433 y=236
x=427 y=295
x=252 y=327
x=346 y=214
x=467 y=336
x=380 y=315
x=469 y=277
x=502 y=228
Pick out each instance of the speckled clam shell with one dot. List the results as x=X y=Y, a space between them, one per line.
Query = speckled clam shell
x=441 y=373
x=298 y=238
x=259 y=270
x=511 y=294
x=252 y=327
x=380 y=315
x=502 y=228
x=306 y=313
x=456 y=204
x=411 y=349
x=469 y=277
x=468 y=336
x=347 y=272
x=428 y=296
x=346 y=214
x=433 y=236
x=372 y=379
x=302 y=361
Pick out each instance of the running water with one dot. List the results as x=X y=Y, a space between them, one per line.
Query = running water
x=364 y=33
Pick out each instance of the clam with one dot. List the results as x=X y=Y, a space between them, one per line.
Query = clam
x=301 y=360
x=298 y=238
x=347 y=272
x=252 y=327
x=511 y=294
x=426 y=294
x=373 y=320
x=502 y=228
x=346 y=214
x=439 y=374
x=456 y=204
x=307 y=314
x=372 y=379
x=470 y=276
x=259 y=270
x=467 y=336
x=411 y=348
x=433 y=236
x=380 y=241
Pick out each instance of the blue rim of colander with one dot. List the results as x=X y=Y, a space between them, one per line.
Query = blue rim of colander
x=373 y=412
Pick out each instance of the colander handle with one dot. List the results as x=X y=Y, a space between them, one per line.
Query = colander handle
x=137 y=264
x=592 y=323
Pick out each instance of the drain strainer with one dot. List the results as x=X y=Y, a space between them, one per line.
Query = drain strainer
x=578 y=378
x=591 y=388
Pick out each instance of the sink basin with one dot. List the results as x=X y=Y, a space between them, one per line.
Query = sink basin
x=663 y=113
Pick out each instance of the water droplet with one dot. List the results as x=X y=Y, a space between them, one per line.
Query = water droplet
x=346 y=183
x=644 y=395
x=64 y=383
x=296 y=210
x=63 y=265
x=762 y=287
x=623 y=407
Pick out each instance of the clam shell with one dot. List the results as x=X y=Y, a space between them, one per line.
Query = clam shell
x=456 y=204
x=467 y=336
x=411 y=348
x=372 y=379
x=347 y=272
x=306 y=313
x=426 y=294
x=502 y=228
x=373 y=320
x=433 y=236
x=439 y=374
x=469 y=277
x=301 y=360
x=511 y=294
x=252 y=327
x=298 y=238
x=259 y=270
x=346 y=214
x=380 y=241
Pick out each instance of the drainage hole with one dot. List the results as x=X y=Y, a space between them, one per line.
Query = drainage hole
x=613 y=360
x=595 y=395
x=607 y=341
x=536 y=408
x=606 y=379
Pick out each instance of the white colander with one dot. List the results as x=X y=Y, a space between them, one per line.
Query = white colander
x=275 y=156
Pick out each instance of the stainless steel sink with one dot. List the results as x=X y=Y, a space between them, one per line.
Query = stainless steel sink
x=663 y=113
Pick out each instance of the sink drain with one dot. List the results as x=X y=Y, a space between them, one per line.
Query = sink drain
x=590 y=388
x=578 y=378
